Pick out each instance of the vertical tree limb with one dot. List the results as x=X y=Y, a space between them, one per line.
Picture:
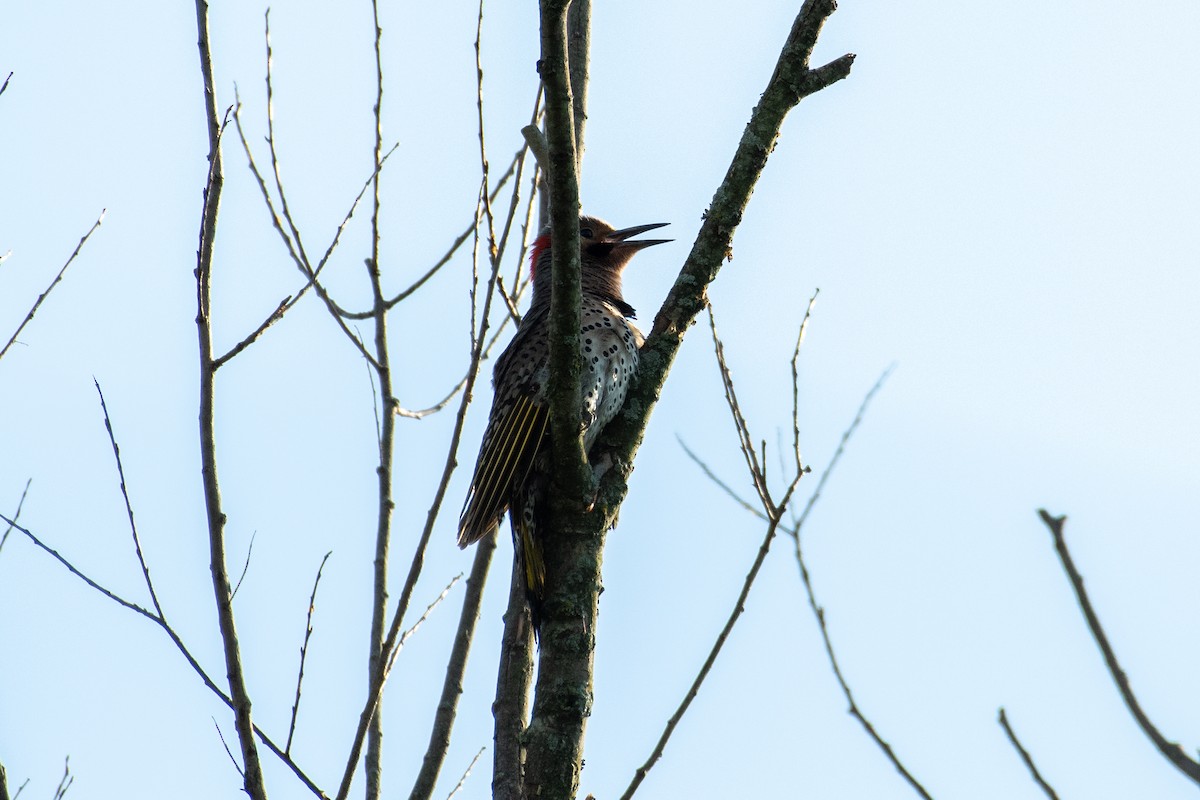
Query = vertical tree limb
x=579 y=55
x=562 y=700
x=387 y=438
x=253 y=777
x=511 y=707
x=439 y=738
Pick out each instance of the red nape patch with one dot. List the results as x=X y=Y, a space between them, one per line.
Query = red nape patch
x=540 y=244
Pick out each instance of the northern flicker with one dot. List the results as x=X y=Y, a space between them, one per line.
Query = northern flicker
x=511 y=472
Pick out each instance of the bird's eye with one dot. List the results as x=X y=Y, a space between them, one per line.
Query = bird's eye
x=586 y=233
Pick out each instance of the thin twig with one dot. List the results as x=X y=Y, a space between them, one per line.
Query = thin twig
x=722 y=637
x=404 y=637
x=493 y=251
x=798 y=523
x=16 y=516
x=137 y=543
x=245 y=566
x=510 y=300
x=819 y=612
x=1170 y=750
x=466 y=774
x=1024 y=754
x=67 y=780
x=283 y=203
x=5 y=84
x=308 y=629
x=450 y=252
x=753 y=465
x=228 y=752
x=298 y=259
x=462 y=383
x=796 y=379
x=725 y=487
x=41 y=297
x=72 y=569
x=271 y=319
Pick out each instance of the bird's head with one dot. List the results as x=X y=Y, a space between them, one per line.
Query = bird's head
x=601 y=247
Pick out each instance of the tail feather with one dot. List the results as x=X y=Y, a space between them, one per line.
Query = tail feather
x=527 y=543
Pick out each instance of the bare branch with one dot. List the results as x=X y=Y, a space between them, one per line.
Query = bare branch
x=12 y=523
x=238 y=693
x=579 y=51
x=404 y=637
x=41 y=297
x=375 y=689
x=1024 y=754
x=299 y=258
x=179 y=644
x=493 y=252
x=379 y=657
x=722 y=637
x=137 y=543
x=536 y=141
x=232 y=759
x=466 y=774
x=511 y=706
x=456 y=666
x=16 y=516
x=753 y=465
x=772 y=511
x=554 y=738
x=1170 y=750
x=819 y=612
x=274 y=317
x=308 y=629
x=245 y=566
x=712 y=476
x=513 y=168
x=798 y=523
x=67 y=780
x=796 y=380
x=283 y=203
x=572 y=476
x=4 y=85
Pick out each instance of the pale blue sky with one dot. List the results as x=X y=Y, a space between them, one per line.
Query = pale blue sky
x=1001 y=199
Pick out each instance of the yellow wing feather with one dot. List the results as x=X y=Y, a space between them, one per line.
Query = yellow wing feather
x=506 y=455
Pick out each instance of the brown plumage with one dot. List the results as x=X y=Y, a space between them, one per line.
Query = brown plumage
x=511 y=470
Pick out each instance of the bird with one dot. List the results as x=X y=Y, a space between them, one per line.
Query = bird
x=512 y=470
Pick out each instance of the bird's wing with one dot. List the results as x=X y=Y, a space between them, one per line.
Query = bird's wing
x=505 y=458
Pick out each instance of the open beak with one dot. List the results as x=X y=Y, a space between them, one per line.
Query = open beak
x=621 y=237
